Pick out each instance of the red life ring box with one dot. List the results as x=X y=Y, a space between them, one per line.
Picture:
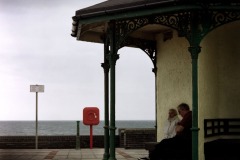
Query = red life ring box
x=91 y=116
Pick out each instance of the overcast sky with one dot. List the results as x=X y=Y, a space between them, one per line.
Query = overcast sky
x=36 y=48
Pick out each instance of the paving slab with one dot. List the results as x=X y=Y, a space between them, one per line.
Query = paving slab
x=69 y=154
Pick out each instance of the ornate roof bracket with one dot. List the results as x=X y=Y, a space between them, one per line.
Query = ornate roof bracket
x=122 y=38
x=106 y=65
x=125 y=27
x=205 y=19
x=148 y=46
x=202 y=22
x=192 y=24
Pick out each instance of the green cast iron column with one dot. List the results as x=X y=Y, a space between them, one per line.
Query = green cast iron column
x=105 y=66
x=112 y=61
x=194 y=50
x=194 y=37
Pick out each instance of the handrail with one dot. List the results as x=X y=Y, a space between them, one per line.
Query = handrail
x=222 y=126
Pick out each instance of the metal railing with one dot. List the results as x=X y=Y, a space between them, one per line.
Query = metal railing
x=221 y=126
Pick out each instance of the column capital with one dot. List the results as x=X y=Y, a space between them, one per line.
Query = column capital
x=105 y=66
x=113 y=59
x=194 y=50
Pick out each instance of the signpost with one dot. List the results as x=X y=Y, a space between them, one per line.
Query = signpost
x=78 y=137
x=36 y=88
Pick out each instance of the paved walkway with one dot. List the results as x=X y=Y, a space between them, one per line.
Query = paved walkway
x=69 y=154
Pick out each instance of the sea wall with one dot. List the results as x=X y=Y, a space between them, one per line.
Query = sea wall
x=127 y=138
x=136 y=138
x=28 y=142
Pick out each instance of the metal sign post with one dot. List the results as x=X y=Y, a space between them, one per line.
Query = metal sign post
x=36 y=88
x=78 y=137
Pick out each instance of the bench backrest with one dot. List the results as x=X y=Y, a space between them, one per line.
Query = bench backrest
x=216 y=127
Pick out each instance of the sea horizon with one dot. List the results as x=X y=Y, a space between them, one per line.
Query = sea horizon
x=81 y=120
x=63 y=127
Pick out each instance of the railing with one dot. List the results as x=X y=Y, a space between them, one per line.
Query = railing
x=216 y=127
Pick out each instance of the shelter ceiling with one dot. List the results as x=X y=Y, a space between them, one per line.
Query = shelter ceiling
x=95 y=32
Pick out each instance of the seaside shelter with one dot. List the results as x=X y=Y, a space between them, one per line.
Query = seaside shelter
x=194 y=48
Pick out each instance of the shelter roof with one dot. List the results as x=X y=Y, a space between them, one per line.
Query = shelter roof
x=89 y=24
x=113 y=6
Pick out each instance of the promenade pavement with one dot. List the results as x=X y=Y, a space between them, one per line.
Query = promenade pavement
x=69 y=154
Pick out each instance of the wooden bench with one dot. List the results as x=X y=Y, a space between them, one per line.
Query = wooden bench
x=222 y=149
x=149 y=146
x=180 y=154
x=219 y=149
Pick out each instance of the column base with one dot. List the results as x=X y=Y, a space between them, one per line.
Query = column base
x=105 y=156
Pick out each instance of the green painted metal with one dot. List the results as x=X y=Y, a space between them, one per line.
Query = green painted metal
x=148 y=46
x=132 y=14
x=194 y=38
x=149 y=12
x=112 y=61
x=105 y=66
x=194 y=50
x=78 y=137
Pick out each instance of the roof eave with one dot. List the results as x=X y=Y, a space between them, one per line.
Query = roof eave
x=135 y=11
x=107 y=15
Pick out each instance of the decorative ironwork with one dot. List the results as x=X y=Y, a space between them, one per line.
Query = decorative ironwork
x=189 y=24
x=125 y=27
x=105 y=66
x=196 y=24
x=154 y=70
x=112 y=57
x=148 y=46
x=171 y=20
x=106 y=39
x=218 y=18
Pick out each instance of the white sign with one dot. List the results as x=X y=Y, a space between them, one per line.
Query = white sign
x=36 y=88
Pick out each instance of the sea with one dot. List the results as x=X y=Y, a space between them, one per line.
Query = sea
x=28 y=128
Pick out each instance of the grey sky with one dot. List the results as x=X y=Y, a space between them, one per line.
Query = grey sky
x=36 y=48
